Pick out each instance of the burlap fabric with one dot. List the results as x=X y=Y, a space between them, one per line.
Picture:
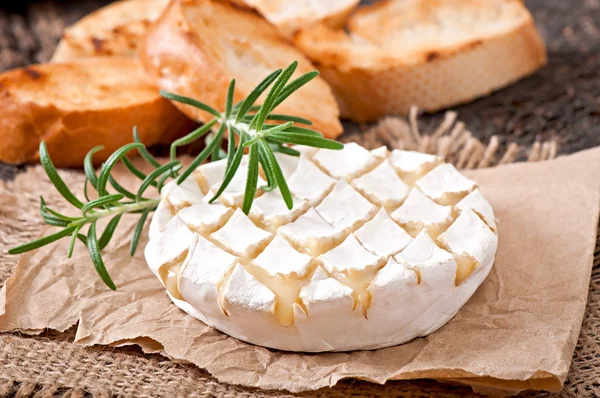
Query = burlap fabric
x=50 y=365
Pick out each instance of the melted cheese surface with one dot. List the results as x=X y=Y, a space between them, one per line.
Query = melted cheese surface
x=364 y=224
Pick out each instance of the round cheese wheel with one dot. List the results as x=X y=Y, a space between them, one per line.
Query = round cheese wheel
x=379 y=248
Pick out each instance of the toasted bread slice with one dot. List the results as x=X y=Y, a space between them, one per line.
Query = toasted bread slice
x=111 y=30
x=429 y=53
x=76 y=106
x=198 y=46
x=290 y=17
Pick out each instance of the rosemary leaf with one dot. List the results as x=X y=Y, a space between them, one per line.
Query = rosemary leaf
x=190 y=101
x=229 y=100
x=51 y=217
x=85 y=189
x=94 y=250
x=230 y=144
x=73 y=239
x=289 y=118
x=303 y=130
x=267 y=106
x=138 y=232
x=306 y=140
x=82 y=238
x=54 y=221
x=278 y=147
x=244 y=120
x=284 y=118
x=143 y=151
x=110 y=163
x=55 y=178
x=88 y=165
x=191 y=137
x=271 y=163
x=271 y=183
x=102 y=201
x=160 y=183
x=231 y=170
x=247 y=104
x=201 y=157
x=45 y=209
x=295 y=85
x=42 y=241
x=251 y=180
x=265 y=133
x=153 y=176
x=109 y=231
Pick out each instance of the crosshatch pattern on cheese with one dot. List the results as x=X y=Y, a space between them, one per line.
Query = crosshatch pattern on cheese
x=362 y=237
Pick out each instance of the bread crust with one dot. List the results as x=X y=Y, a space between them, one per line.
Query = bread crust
x=178 y=59
x=48 y=103
x=369 y=82
x=111 y=30
x=290 y=18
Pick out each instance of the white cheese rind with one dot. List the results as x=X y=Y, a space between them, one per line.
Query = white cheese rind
x=287 y=163
x=272 y=299
x=413 y=162
x=347 y=163
x=434 y=266
x=382 y=186
x=161 y=217
x=382 y=236
x=389 y=321
x=344 y=207
x=444 y=183
x=381 y=152
x=324 y=294
x=419 y=211
x=311 y=232
x=241 y=236
x=280 y=258
x=479 y=205
x=349 y=257
x=271 y=210
x=206 y=217
x=169 y=245
x=202 y=271
x=244 y=293
x=182 y=195
x=309 y=183
x=470 y=235
x=211 y=174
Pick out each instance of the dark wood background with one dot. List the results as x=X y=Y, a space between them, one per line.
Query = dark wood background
x=562 y=100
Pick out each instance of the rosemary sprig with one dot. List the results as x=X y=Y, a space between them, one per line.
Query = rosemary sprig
x=247 y=129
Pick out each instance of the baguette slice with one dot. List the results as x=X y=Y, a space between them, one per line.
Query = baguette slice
x=430 y=53
x=197 y=46
x=289 y=17
x=111 y=30
x=76 y=106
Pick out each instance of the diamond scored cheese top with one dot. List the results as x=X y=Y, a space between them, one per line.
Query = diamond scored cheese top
x=379 y=248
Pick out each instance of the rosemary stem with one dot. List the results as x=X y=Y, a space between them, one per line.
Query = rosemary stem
x=148 y=204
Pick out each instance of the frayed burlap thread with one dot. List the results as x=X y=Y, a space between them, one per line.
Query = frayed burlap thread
x=450 y=139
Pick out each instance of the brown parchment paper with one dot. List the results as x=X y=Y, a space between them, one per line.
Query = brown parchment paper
x=518 y=331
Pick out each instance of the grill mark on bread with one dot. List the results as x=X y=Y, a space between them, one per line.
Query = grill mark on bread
x=98 y=44
x=33 y=73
